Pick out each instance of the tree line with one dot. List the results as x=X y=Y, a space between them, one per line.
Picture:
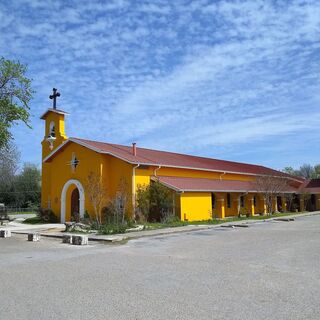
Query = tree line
x=20 y=189
x=307 y=171
x=17 y=189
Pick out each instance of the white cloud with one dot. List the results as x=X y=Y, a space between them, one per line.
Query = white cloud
x=218 y=74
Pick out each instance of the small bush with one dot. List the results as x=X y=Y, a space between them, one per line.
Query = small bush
x=33 y=220
x=112 y=228
x=243 y=212
x=169 y=218
x=153 y=202
x=47 y=215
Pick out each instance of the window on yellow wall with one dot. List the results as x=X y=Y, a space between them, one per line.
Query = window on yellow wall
x=228 y=200
x=255 y=201
x=213 y=200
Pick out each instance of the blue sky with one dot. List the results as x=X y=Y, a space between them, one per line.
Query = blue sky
x=235 y=80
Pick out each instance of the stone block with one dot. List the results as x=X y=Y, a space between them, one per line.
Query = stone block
x=34 y=237
x=80 y=240
x=67 y=238
x=5 y=233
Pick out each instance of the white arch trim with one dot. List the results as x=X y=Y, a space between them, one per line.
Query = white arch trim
x=63 y=198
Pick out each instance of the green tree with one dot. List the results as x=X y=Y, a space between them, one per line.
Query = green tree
x=15 y=95
x=155 y=201
x=9 y=162
x=307 y=171
x=291 y=171
x=317 y=170
x=27 y=186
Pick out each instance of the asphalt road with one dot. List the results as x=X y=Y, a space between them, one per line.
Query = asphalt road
x=268 y=271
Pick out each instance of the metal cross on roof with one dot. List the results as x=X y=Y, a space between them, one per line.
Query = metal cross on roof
x=54 y=97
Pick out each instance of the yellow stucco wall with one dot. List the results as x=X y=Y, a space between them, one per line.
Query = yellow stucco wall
x=143 y=175
x=195 y=206
x=111 y=169
x=60 y=172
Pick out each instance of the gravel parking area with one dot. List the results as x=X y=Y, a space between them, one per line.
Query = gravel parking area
x=270 y=270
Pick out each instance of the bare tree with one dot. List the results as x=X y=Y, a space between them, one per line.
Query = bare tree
x=9 y=160
x=271 y=187
x=121 y=199
x=97 y=194
x=289 y=199
x=317 y=170
x=116 y=210
x=307 y=171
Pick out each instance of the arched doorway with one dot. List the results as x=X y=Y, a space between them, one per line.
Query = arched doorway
x=75 y=205
x=77 y=199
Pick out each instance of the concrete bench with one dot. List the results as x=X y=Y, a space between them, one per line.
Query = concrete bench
x=34 y=237
x=67 y=238
x=76 y=239
x=5 y=233
x=80 y=240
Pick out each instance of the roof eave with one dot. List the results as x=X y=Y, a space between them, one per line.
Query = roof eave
x=55 y=111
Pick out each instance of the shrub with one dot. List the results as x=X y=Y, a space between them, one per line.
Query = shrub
x=47 y=215
x=112 y=228
x=154 y=202
x=169 y=218
x=243 y=212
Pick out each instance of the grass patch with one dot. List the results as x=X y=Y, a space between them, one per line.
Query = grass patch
x=112 y=229
x=16 y=213
x=33 y=220
x=275 y=215
x=159 y=225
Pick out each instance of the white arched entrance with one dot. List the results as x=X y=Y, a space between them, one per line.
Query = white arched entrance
x=63 y=198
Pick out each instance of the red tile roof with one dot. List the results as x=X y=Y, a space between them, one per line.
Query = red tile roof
x=311 y=186
x=209 y=185
x=171 y=159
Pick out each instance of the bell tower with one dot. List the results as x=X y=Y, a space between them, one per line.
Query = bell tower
x=54 y=127
x=54 y=136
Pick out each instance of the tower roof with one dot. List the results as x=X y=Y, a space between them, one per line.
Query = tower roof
x=54 y=111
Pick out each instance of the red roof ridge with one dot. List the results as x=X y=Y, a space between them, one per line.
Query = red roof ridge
x=114 y=145
x=153 y=157
x=176 y=153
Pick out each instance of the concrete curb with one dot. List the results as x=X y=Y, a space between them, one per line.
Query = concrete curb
x=168 y=231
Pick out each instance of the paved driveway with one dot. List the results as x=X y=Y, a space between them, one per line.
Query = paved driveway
x=267 y=271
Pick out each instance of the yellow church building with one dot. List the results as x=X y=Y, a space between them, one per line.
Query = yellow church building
x=202 y=188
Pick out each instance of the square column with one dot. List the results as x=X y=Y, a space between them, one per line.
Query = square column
x=275 y=204
x=262 y=204
x=238 y=205
x=252 y=207
x=284 y=204
x=221 y=208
